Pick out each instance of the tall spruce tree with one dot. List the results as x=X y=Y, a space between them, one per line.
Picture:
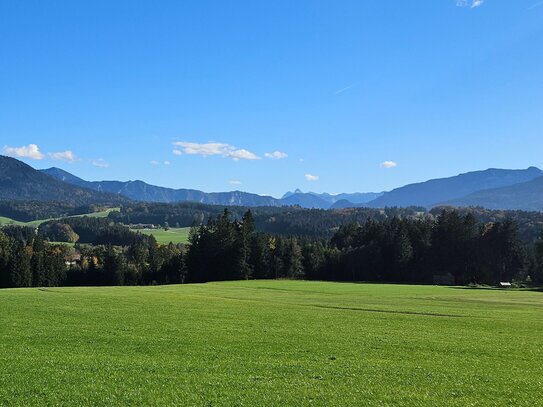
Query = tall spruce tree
x=19 y=266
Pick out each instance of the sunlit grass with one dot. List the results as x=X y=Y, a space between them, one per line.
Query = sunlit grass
x=172 y=235
x=36 y=223
x=271 y=343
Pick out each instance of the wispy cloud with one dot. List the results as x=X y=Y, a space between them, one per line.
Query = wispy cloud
x=538 y=4
x=276 y=155
x=212 y=149
x=67 y=156
x=31 y=151
x=155 y=162
x=100 y=163
x=235 y=182
x=470 y=4
x=346 y=88
x=389 y=164
x=310 y=177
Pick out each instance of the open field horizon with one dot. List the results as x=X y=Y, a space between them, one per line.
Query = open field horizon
x=271 y=343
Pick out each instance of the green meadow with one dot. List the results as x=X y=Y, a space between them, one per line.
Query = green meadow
x=271 y=343
x=172 y=235
x=36 y=223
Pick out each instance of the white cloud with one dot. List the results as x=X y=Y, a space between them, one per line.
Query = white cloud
x=309 y=177
x=234 y=182
x=167 y=162
x=213 y=148
x=203 y=149
x=242 y=154
x=67 y=155
x=100 y=163
x=389 y=164
x=31 y=151
x=477 y=3
x=154 y=162
x=276 y=155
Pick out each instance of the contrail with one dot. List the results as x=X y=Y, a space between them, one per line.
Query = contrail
x=337 y=92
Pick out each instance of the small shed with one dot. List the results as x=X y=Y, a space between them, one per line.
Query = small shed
x=505 y=284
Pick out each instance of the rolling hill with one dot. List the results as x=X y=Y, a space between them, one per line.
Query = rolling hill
x=438 y=191
x=526 y=196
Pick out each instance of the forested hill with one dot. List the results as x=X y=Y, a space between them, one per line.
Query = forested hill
x=141 y=191
x=527 y=196
x=311 y=223
x=20 y=182
x=439 y=191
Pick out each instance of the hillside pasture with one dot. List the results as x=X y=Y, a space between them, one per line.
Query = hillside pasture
x=172 y=235
x=35 y=223
x=271 y=343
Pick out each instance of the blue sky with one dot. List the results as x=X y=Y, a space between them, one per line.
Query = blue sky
x=336 y=96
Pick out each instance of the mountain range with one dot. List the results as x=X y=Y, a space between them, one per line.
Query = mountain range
x=21 y=182
x=491 y=188
x=527 y=196
x=141 y=191
x=452 y=189
x=327 y=201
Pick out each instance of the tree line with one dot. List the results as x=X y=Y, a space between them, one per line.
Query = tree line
x=451 y=246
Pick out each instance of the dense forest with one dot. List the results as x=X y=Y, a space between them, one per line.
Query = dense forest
x=313 y=223
x=285 y=221
x=450 y=247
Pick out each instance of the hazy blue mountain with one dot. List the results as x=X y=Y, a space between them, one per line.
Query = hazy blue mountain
x=437 y=191
x=343 y=203
x=358 y=197
x=306 y=201
x=141 y=191
x=492 y=188
x=526 y=196
x=326 y=200
x=20 y=182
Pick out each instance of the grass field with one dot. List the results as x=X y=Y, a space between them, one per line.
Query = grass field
x=36 y=223
x=271 y=343
x=173 y=235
